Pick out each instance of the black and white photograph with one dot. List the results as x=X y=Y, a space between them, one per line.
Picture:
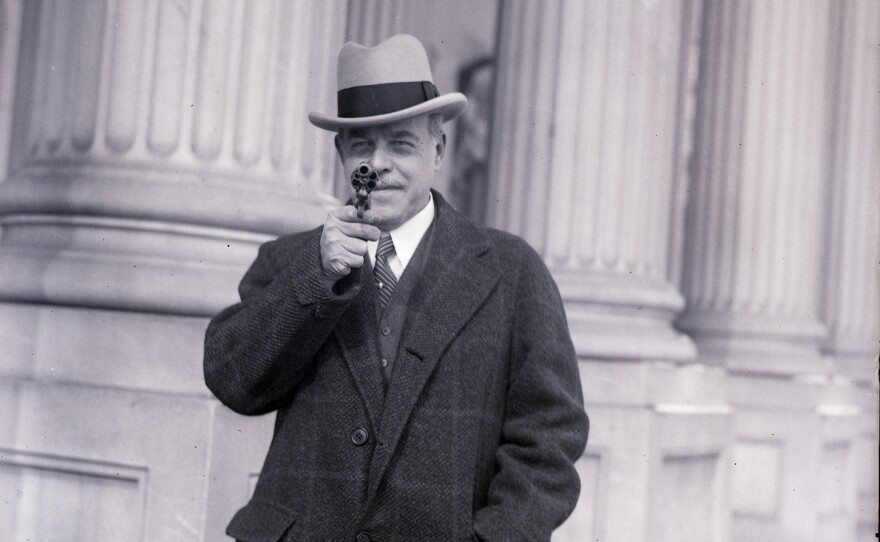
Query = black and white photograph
x=439 y=270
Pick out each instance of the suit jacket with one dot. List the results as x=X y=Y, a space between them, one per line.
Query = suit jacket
x=483 y=418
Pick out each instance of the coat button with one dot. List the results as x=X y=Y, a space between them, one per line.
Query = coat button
x=386 y=331
x=363 y=537
x=359 y=438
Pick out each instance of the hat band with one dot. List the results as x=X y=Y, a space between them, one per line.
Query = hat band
x=372 y=100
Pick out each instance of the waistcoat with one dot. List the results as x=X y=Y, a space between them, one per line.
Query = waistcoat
x=392 y=319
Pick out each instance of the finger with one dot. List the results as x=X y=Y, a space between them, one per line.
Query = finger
x=357 y=262
x=353 y=245
x=349 y=214
x=344 y=261
x=336 y=270
x=366 y=232
x=338 y=231
x=371 y=217
x=334 y=229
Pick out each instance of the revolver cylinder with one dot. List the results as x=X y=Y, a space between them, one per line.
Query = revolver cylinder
x=363 y=180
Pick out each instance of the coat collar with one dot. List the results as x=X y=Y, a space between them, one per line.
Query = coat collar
x=459 y=275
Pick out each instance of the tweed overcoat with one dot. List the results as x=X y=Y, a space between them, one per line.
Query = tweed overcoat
x=480 y=426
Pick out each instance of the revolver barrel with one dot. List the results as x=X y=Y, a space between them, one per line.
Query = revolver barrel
x=363 y=180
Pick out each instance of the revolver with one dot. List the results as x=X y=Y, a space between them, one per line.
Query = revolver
x=363 y=180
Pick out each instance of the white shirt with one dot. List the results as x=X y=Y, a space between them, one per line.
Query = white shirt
x=406 y=238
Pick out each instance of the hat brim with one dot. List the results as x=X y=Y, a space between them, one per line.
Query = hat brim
x=448 y=105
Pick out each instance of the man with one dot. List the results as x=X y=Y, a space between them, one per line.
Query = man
x=425 y=383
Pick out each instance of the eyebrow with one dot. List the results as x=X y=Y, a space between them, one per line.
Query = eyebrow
x=398 y=134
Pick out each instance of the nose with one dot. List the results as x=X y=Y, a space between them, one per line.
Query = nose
x=381 y=161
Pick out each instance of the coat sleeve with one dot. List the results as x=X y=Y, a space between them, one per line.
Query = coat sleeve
x=545 y=426
x=258 y=350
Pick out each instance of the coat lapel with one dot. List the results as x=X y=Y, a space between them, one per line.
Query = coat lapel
x=458 y=277
x=355 y=333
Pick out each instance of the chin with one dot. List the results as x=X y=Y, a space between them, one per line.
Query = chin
x=391 y=217
x=386 y=200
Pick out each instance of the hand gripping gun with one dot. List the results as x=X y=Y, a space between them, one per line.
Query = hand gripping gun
x=363 y=180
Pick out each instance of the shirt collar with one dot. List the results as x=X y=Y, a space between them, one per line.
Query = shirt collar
x=406 y=238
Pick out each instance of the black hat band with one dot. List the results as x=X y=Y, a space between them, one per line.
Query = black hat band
x=372 y=100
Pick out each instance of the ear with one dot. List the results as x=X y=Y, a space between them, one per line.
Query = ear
x=337 y=141
x=440 y=147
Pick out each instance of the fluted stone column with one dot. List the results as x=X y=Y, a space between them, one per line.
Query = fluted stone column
x=186 y=113
x=851 y=303
x=10 y=32
x=584 y=156
x=756 y=255
x=851 y=291
x=372 y=21
x=155 y=144
x=752 y=259
x=590 y=135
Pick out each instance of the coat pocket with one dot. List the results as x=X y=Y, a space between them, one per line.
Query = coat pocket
x=261 y=521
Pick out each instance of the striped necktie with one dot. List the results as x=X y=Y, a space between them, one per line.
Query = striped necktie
x=385 y=279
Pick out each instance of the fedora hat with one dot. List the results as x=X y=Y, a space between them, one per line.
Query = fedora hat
x=386 y=83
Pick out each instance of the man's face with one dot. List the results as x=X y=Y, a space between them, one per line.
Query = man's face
x=405 y=156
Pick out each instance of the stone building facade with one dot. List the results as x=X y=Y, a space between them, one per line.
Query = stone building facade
x=701 y=178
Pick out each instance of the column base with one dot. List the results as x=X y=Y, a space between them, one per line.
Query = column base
x=623 y=317
x=757 y=344
x=179 y=197
x=167 y=245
